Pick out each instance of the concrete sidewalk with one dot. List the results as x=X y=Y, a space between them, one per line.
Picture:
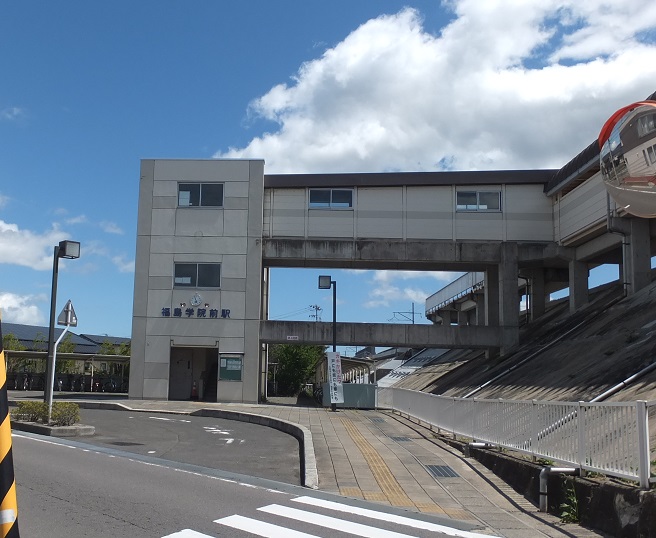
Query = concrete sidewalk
x=384 y=458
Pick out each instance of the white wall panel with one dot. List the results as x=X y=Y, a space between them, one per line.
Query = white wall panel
x=429 y=212
x=379 y=213
x=330 y=223
x=582 y=208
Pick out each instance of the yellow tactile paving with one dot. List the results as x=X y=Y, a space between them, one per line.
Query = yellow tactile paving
x=430 y=508
x=374 y=496
x=390 y=488
x=351 y=492
x=457 y=513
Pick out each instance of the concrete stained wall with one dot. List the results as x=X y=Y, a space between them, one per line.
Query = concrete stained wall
x=168 y=234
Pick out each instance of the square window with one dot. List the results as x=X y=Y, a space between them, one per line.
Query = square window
x=319 y=198
x=489 y=201
x=466 y=201
x=188 y=194
x=211 y=195
x=185 y=274
x=209 y=275
x=342 y=198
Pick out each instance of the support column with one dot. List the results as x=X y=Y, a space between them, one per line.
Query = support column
x=492 y=296
x=578 y=285
x=639 y=249
x=536 y=294
x=508 y=298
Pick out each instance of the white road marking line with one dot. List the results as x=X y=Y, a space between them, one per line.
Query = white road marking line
x=261 y=528
x=147 y=463
x=213 y=429
x=187 y=533
x=331 y=522
x=162 y=418
x=390 y=518
x=229 y=441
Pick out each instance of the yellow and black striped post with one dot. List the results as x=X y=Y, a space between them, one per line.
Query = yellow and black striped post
x=8 y=504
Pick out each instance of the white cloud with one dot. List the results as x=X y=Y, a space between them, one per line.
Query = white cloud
x=27 y=248
x=123 y=265
x=22 y=308
x=80 y=219
x=389 y=276
x=11 y=113
x=515 y=84
x=386 y=288
x=111 y=228
x=4 y=200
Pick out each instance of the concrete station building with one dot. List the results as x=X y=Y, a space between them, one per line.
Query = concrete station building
x=209 y=230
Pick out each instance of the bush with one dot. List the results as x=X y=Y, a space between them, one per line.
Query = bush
x=31 y=412
x=63 y=413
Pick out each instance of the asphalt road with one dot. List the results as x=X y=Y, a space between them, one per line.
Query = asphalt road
x=229 y=445
x=69 y=489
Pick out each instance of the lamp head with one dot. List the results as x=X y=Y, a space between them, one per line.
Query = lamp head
x=69 y=249
x=324 y=282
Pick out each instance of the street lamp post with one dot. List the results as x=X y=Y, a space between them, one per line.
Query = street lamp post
x=326 y=282
x=69 y=250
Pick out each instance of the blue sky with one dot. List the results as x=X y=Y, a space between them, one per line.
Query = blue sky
x=87 y=89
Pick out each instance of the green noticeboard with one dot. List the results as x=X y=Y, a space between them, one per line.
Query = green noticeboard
x=230 y=368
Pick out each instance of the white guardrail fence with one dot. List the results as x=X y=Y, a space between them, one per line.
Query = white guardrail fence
x=608 y=438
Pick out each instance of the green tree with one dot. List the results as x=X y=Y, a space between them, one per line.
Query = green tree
x=40 y=342
x=125 y=348
x=66 y=346
x=11 y=343
x=295 y=365
x=107 y=348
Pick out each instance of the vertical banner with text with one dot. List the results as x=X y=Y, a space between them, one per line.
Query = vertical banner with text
x=335 y=377
x=8 y=504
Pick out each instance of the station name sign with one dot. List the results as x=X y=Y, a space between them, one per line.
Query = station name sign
x=196 y=313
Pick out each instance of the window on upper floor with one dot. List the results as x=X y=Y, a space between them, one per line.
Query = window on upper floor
x=331 y=198
x=478 y=201
x=651 y=152
x=646 y=124
x=200 y=195
x=197 y=275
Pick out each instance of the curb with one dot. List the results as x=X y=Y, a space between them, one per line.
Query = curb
x=308 y=461
x=76 y=430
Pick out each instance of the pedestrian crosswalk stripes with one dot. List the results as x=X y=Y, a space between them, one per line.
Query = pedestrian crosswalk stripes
x=333 y=523
x=390 y=518
x=279 y=520
x=261 y=528
x=187 y=533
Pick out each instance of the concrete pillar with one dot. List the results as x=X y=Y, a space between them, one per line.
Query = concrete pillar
x=639 y=252
x=536 y=293
x=578 y=285
x=492 y=296
x=462 y=318
x=508 y=299
x=477 y=316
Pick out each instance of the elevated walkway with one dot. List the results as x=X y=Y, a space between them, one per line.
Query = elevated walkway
x=381 y=334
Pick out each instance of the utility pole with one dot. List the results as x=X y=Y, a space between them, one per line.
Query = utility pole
x=412 y=313
x=317 y=309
